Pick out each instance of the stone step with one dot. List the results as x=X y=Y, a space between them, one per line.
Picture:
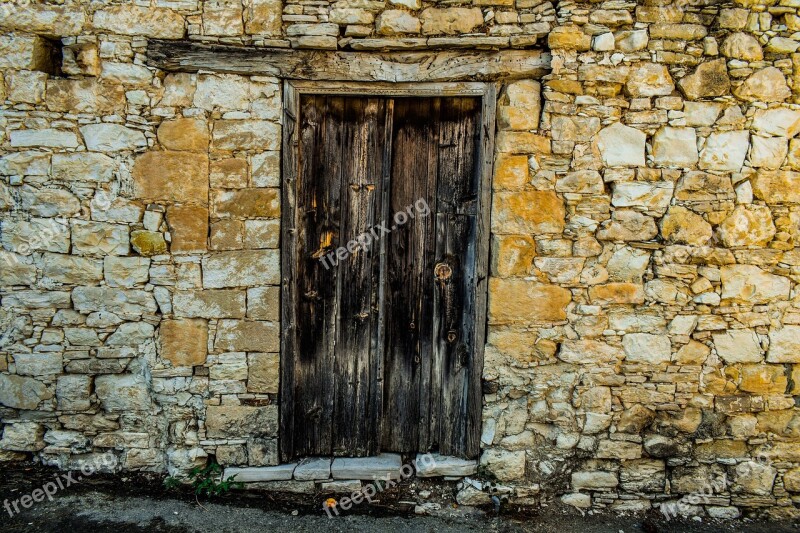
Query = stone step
x=435 y=465
x=313 y=468
x=254 y=474
x=367 y=467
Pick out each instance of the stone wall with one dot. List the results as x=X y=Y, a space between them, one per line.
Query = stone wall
x=644 y=337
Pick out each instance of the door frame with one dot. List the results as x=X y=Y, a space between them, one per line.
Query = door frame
x=292 y=91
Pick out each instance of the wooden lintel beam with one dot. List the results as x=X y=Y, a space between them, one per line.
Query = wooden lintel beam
x=324 y=65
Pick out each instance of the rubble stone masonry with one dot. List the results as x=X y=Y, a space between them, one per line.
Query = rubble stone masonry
x=644 y=314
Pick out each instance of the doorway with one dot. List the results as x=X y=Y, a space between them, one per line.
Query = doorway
x=384 y=252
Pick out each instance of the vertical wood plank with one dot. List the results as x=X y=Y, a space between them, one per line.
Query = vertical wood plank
x=408 y=277
x=317 y=233
x=454 y=294
x=291 y=106
x=486 y=164
x=454 y=329
x=379 y=337
x=355 y=368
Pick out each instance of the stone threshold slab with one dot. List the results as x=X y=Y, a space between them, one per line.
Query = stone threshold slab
x=325 y=469
x=435 y=465
x=256 y=474
x=385 y=464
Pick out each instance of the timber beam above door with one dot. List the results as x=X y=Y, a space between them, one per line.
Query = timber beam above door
x=329 y=65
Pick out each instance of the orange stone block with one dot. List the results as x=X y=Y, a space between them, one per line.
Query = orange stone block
x=523 y=302
x=184 y=134
x=763 y=379
x=527 y=212
x=511 y=172
x=617 y=293
x=246 y=203
x=512 y=255
x=184 y=342
x=188 y=225
x=172 y=177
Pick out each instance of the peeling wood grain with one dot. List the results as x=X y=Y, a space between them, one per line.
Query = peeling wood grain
x=397 y=67
x=387 y=353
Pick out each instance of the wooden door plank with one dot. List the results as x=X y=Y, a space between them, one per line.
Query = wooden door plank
x=355 y=368
x=379 y=336
x=410 y=247
x=454 y=295
x=485 y=168
x=454 y=329
x=318 y=231
x=289 y=224
x=459 y=175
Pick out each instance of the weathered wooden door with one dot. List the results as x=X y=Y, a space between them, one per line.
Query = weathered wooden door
x=381 y=334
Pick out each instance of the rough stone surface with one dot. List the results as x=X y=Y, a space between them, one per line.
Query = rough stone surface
x=240 y=269
x=683 y=226
x=314 y=468
x=229 y=421
x=750 y=283
x=784 y=345
x=747 y=226
x=650 y=79
x=112 y=138
x=184 y=342
x=122 y=392
x=435 y=465
x=675 y=147
x=738 y=346
x=621 y=145
x=22 y=392
x=646 y=348
x=642 y=274
x=708 y=80
x=725 y=151
x=450 y=21
x=767 y=85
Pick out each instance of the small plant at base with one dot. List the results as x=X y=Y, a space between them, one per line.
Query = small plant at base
x=208 y=480
x=171 y=483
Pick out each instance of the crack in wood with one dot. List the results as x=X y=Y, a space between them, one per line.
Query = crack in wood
x=321 y=65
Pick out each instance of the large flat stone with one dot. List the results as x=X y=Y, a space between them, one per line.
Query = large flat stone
x=261 y=473
x=124 y=392
x=520 y=301
x=441 y=465
x=313 y=468
x=240 y=421
x=20 y=392
x=171 y=176
x=386 y=464
x=241 y=268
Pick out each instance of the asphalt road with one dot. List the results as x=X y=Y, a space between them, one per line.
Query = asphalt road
x=140 y=503
x=99 y=512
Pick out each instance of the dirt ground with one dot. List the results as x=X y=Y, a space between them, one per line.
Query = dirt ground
x=140 y=503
